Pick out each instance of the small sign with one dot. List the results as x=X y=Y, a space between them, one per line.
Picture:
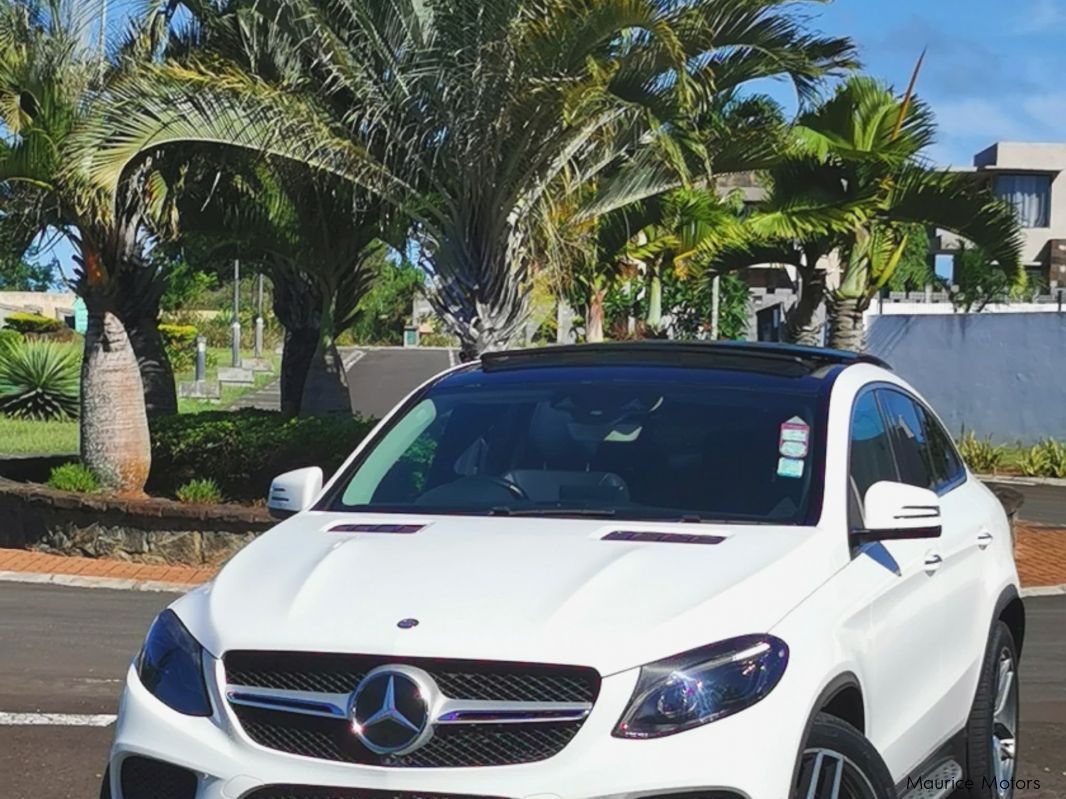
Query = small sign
x=791 y=468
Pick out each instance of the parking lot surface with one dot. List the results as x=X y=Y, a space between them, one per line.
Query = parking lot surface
x=65 y=651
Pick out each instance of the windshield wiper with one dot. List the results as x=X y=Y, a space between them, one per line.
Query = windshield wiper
x=598 y=513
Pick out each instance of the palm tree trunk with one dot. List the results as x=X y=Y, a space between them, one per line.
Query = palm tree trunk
x=326 y=387
x=847 y=324
x=802 y=326
x=298 y=306
x=655 y=298
x=157 y=375
x=139 y=287
x=296 y=357
x=115 y=442
x=595 y=317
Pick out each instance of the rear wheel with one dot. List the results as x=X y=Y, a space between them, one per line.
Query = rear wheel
x=839 y=763
x=992 y=731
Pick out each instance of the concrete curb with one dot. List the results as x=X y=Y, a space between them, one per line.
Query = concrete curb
x=1010 y=479
x=77 y=581
x=1048 y=590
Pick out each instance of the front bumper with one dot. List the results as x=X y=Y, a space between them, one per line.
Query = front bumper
x=750 y=755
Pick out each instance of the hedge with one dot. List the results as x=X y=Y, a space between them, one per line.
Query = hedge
x=242 y=451
x=32 y=323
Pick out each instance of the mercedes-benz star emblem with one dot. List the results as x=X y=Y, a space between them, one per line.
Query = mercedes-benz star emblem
x=390 y=710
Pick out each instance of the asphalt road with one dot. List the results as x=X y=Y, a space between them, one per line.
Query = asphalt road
x=383 y=377
x=66 y=650
x=1044 y=504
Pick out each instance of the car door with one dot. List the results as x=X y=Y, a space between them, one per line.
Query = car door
x=964 y=516
x=904 y=675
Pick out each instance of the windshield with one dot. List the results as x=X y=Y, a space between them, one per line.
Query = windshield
x=681 y=446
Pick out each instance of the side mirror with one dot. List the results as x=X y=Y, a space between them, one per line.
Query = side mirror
x=899 y=512
x=293 y=492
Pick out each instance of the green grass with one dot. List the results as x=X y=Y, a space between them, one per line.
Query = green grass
x=230 y=394
x=61 y=438
x=37 y=438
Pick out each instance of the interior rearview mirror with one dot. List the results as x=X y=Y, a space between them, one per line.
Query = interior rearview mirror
x=899 y=512
x=293 y=492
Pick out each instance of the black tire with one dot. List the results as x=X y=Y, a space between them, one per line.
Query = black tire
x=985 y=728
x=105 y=786
x=864 y=774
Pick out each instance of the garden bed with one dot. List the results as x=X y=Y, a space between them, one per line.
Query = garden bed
x=153 y=531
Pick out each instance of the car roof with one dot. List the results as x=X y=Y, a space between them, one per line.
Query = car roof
x=785 y=360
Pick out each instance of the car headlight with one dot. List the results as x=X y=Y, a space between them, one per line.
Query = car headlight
x=171 y=667
x=702 y=686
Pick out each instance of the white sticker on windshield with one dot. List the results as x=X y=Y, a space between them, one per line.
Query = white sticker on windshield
x=797 y=430
x=794 y=449
x=790 y=467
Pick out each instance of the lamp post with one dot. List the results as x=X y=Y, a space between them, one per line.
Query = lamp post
x=259 y=323
x=236 y=360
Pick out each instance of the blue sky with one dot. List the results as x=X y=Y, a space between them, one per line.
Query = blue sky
x=994 y=69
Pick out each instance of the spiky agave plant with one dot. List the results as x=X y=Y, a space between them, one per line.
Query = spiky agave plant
x=39 y=381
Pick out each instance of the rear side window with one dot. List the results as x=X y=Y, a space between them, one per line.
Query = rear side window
x=871 y=449
x=926 y=456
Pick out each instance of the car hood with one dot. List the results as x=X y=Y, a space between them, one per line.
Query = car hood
x=534 y=590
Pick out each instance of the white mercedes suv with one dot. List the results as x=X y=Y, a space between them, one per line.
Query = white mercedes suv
x=649 y=570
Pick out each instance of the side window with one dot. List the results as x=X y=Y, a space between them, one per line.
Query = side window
x=871 y=451
x=924 y=451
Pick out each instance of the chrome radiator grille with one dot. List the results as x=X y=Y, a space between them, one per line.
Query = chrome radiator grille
x=490 y=714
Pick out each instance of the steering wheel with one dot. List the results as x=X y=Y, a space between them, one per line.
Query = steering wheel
x=510 y=486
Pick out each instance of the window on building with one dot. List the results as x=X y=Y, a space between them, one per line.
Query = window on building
x=1030 y=195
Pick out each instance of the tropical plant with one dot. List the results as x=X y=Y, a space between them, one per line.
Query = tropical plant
x=385 y=309
x=200 y=492
x=48 y=74
x=39 y=380
x=982 y=456
x=31 y=323
x=977 y=281
x=76 y=477
x=9 y=338
x=1046 y=459
x=854 y=185
x=466 y=113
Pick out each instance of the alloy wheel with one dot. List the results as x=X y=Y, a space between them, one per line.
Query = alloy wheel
x=825 y=774
x=1005 y=724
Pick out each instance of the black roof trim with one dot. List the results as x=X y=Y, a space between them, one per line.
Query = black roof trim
x=788 y=359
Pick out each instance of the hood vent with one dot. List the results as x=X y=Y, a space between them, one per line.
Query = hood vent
x=644 y=536
x=394 y=529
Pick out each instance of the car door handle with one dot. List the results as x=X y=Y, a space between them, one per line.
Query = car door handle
x=933 y=562
x=985 y=540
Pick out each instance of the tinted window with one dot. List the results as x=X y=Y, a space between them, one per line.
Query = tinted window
x=925 y=454
x=871 y=450
x=655 y=443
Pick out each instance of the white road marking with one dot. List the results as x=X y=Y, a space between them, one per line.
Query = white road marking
x=55 y=720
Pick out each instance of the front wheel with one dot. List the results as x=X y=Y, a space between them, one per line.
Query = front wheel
x=105 y=786
x=839 y=763
x=992 y=730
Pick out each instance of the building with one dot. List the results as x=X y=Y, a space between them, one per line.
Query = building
x=1032 y=178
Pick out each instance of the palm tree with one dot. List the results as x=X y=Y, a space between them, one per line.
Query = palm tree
x=466 y=113
x=855 y=186
x=46 y=78
x=311 y=234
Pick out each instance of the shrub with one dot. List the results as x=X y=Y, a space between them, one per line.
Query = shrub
x=1046 y=459
x=74 y=477
x=180 y=344
x=39 y=380
x=200 y=492
x=242 y=451
x=32 y=323
x=9 y=338
x=982 y=457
